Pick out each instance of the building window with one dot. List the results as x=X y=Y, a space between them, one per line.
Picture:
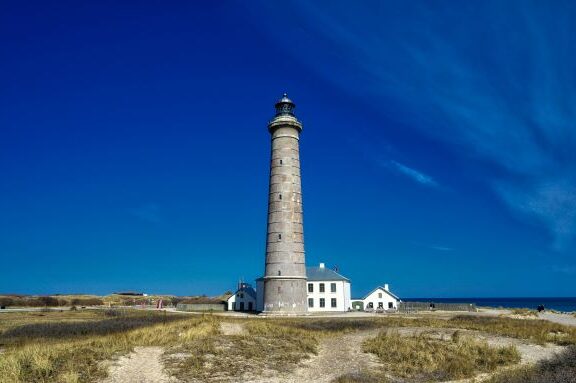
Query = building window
x=333 y=302
x=321 y=287
x=379 y=295
x=310 y=302
x=310 y=288
x=322 y=302
x=332 y=287
x=240 y=295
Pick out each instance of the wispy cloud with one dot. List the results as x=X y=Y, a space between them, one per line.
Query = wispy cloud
x=433 y=247
x=440 y=248
x=413 y=174
x=499 y=88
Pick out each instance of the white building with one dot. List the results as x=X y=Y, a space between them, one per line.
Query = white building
x=244 y=299
x=327 y=290
x=379 y=299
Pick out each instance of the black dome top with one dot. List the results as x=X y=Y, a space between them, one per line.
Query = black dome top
x=285 y=106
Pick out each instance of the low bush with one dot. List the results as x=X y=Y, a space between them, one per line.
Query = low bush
x=525 y=312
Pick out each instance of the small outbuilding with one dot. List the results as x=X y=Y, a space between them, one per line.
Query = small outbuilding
x=379 y=299
x=244 y=299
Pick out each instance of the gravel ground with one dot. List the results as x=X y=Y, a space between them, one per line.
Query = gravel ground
x=141 y=366
x=565 y=319
x=230 y=328
x=338 y=355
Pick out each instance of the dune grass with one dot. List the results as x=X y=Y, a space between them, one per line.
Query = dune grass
x=264 y=346
x=360 y=377
x=536 y=331
x=559 y=369
x=77 y=357
x=424 y=357
x=70 y=346
x=525 y=312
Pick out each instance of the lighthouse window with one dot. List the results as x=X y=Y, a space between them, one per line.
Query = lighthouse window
x=278 y=288
x=279 y=273
x=279 y=196
x=279 y=236
x=280 y=162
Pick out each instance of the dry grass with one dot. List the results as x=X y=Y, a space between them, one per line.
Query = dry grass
x=265 y=346
x=360 y=377
x=331 y=325
x=525 y=312
x=537 y=331
x=77 y=358
x=560 y=369
x=423 y=357
x=70 y=346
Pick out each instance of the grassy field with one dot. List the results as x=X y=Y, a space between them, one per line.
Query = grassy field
x=560 y=369
x=428 y=358
x=70 y=346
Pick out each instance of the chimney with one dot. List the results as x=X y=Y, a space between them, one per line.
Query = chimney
x=386 y=287
x=322 y=265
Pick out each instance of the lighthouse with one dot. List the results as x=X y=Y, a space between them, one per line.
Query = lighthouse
x=284 y=281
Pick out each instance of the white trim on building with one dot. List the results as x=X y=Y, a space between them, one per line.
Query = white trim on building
x=380 y=299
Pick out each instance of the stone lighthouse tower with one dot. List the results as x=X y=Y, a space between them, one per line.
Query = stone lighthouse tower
x=285 y=275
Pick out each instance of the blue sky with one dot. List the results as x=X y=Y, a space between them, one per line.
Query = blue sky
x=438 y=151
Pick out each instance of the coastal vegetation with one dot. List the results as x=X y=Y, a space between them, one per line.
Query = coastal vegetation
x=81 y=300
x=558 y=369
x=430 y=358
x=73 y=346
x=525 y=312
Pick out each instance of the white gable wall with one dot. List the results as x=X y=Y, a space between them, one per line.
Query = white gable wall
x=380 y=299
x=340 y=297
x=241 y=301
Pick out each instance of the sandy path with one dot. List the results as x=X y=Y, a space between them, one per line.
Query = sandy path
x=231 y=328
x=141 y=366
x=564 y=319
x=338 y=355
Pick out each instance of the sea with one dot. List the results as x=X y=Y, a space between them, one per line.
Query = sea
x=558 y=304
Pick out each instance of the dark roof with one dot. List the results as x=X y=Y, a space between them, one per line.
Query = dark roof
x=248 y=290
x=315 y=273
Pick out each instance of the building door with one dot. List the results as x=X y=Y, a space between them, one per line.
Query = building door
x=390 y=305
x=241 y=306
x=250 y=308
